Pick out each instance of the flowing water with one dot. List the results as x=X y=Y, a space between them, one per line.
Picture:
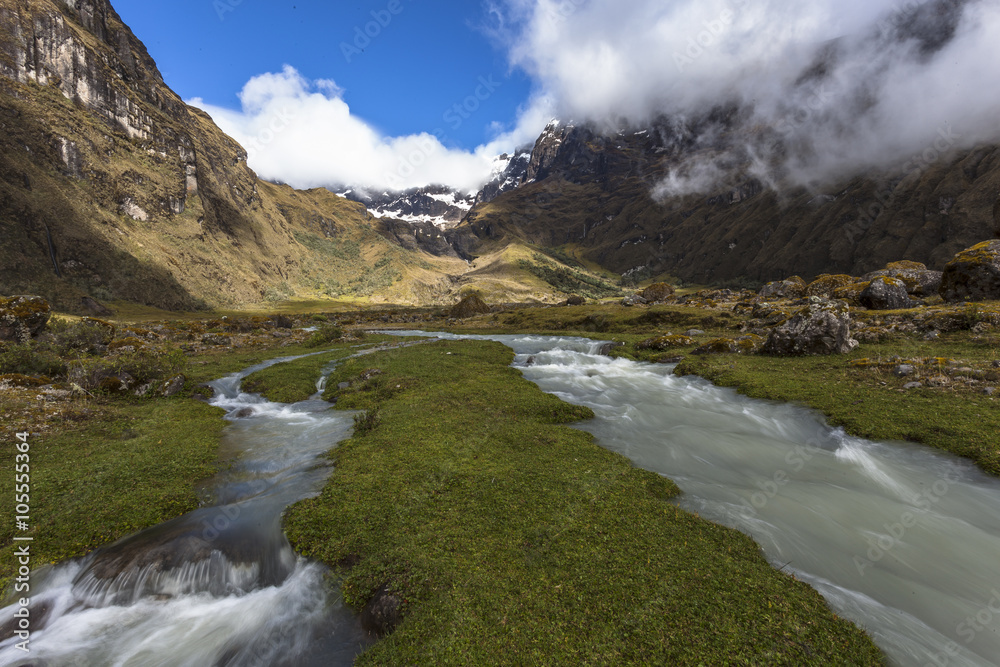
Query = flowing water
x=219 y=586
x=901 y=539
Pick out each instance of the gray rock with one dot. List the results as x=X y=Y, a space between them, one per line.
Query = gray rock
x=694 y=332
x=919 y=282
x=633 y=300
x=913 y=385
x=973 y=275
x=215 y=339
x=989 y=391
x=932 y=335
x=344 y=385
x=824 y=327
x=173 y=386
x=904 y=370
x=243 y=413
x=885 y=294
x=605 y=350
x=23 y=317
x=793 y=288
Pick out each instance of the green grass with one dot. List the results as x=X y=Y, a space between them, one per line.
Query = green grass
x=293 y=381
x=870 y=402
x=513 y=539
x=132 y=468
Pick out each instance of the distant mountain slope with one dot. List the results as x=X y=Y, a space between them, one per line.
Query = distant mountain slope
x=686 y=198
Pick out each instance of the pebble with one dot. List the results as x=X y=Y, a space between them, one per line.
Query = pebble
x=989 y=391
x=913 y=385
x=932 y=335
x=903 y=370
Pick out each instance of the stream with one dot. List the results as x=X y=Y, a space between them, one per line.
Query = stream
x=220 y=586
x=899 y=538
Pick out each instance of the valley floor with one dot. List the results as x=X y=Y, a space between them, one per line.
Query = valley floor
x=575 y=556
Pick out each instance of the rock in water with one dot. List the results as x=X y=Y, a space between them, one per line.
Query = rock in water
x=23 y=317
x=824 y=327
x=974 y=274
x=885 y=294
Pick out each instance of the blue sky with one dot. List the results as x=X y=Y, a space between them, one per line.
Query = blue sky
x=441 y=88
x=427 y=57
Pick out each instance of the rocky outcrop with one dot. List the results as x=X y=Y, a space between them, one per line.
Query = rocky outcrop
x=885 y=294
x=22 y=317
x=973 y=275
x=470 y=306
x=824 y=327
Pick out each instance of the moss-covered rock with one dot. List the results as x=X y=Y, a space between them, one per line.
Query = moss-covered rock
x=661 y=343
x=657 y=293
x=23 y=317
x=825 y=285
x=824 y=327
x=974 y=274
x=885 y=294
x=790 y=288
x=851 y=293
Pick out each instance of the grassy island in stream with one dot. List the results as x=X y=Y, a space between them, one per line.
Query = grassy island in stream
x=507 y=537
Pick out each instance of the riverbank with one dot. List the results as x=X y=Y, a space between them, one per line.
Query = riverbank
x=467 y=511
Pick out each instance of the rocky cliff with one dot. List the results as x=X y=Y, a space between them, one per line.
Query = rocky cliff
x=112 y=188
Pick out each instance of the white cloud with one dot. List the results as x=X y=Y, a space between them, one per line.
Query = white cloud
x=886 y=85
x=302 y=133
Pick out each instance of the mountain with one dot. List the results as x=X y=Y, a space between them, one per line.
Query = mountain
x=688 y=197
x=438 y=205
x=112 y=188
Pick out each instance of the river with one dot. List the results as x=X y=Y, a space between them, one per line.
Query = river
x=902 y=539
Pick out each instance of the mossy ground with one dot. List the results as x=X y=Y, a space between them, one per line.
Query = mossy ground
x=510 y=538
x=127 y=466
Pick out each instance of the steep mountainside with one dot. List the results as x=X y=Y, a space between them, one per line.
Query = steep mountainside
x=614 y=200
x=111 y=187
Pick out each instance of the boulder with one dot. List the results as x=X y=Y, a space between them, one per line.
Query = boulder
x=470 y=306
x=576 y=300
x=173 y=386
x=657 y=293
x=23 y=317
x=919 y=281
x=885 y=294
x=974 y=274
x=825 y=285
x=823 y=327
x=791 y=288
